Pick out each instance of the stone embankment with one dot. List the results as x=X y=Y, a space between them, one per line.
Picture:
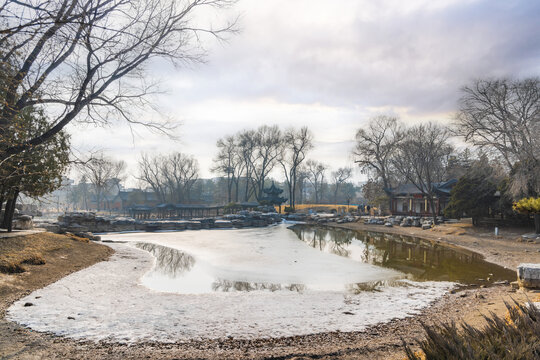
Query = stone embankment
x=85 y=224
x=321 y=218
x=404 y=221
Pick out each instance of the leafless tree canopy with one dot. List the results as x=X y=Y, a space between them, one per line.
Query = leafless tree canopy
x=85 y=58
x=171 y=177
x=103 y=173
x=503 y=117
x=296 y=144
x=422 y=158
x=229 y=163
x=251 y=155
x=376 y=145
x=316 y=172
x=339 y=177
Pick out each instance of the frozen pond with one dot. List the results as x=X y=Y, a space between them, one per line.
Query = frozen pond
x=246 y=283
x=251 y=259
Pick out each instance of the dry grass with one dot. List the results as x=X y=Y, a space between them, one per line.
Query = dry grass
x=449 y=230
x=516 y=336
x=29 y=250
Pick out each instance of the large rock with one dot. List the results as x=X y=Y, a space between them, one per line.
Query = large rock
x=23 y=222
x=529 y=275
x=223 y=224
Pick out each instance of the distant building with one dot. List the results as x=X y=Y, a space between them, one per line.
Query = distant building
x=407 y=199
x=128 y=198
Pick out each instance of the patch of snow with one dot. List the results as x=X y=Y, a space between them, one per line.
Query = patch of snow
x=265 y=255
x=108 y=302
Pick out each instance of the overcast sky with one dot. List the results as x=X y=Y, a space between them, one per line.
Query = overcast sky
x=331 y=65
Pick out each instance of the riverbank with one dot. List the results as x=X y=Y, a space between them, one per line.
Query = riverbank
x=33 y=260
x=380 y=341
x=507 y=249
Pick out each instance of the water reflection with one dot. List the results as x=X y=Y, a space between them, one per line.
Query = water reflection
x=169 y=261
x=419 y=258
x=176 y=271
x=228 y=286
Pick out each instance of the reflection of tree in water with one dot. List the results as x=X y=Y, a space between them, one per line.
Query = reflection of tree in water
x=227 y=286
x=423 y=259
x=169 y=261
x=373 y=286
x=334 y=241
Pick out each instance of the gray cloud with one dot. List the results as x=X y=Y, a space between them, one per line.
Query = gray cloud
x=417 y=58
x=331 y=65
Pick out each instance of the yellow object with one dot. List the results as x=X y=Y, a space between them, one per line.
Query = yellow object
x=326 y=207
x=527 y=206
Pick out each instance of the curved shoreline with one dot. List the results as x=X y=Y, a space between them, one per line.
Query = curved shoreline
x=504 y=250
x=107 y=302
x=382 y=340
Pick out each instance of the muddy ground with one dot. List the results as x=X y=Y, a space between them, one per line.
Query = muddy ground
x=64 y=255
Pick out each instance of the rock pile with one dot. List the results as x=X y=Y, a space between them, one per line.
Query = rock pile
x=402 y=221
x=84 y=224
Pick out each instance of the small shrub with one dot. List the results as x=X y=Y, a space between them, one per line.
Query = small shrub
x=289 y=209
x=516 y=337
x=11 y=267
x=527 y=206
x=34 y=260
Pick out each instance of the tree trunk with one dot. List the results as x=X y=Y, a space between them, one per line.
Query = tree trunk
x=1 y=203
x=229 y=189
x=537 y=223
x=433 y=210
x=10 y=210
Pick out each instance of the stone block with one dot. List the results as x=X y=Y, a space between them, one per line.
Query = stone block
x=23 y=222
x=223 y=224
x=529 y=275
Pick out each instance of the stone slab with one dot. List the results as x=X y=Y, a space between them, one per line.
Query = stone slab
x=529 y=275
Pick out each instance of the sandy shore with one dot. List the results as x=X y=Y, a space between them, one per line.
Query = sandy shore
x=381 y=341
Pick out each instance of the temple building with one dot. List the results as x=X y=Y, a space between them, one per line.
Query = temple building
x=407 y=199
x=273 y=196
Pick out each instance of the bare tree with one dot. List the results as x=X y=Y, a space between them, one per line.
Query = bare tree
x=316 y=171
x=339 y=177
x=88 y=57
x=349 y=192
x=228 y=162
x=171 y=177
x=502 y=116
x=247 y=144
x=150 y=174
x=180 y=172
x=103 y=173
x=296 y=144
x=251 y=154
x=376 y=145
x=421 y=159
x=302 y=180
x=268 y=149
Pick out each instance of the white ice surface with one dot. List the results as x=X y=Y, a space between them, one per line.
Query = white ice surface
x=265 y=255
x=108 y=302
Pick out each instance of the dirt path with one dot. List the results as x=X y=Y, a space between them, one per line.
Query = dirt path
x=378 y=342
